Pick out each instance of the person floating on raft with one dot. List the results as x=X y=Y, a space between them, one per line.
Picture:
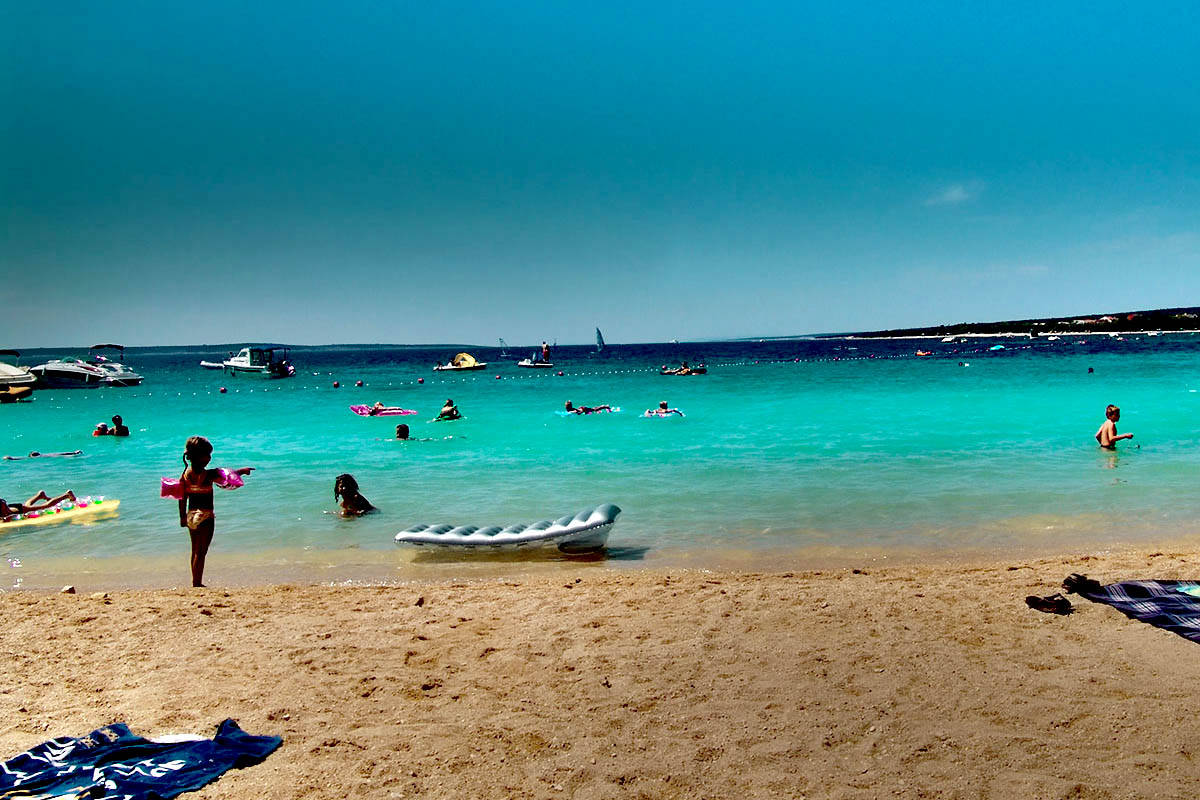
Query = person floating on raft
x=39 y=502
x=662 y=411
x=194 y=491
x=448 y=412
x=573 y=409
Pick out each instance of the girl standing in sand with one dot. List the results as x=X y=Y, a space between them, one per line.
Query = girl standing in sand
x=194 y=490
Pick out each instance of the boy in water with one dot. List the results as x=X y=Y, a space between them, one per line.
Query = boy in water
x=1107 y=436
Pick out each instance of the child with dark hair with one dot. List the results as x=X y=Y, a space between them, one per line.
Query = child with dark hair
x=194 y=490
x=345 y=490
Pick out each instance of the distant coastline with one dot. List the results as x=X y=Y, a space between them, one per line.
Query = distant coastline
x=1148 y=322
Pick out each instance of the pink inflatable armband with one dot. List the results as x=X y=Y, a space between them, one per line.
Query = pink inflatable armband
x=171 y=487
x=228 y=479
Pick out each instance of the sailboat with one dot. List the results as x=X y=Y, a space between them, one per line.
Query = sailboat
x=599 y=341
x=503 y=349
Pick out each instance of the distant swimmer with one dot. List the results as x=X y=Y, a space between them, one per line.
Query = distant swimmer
x=448 y=412
x=662 y=411
x=39 y=502
x=401 y=431
x=1107 y=436
x=36 y=454
x=353 y=504
x=118 y=427
x=572 y=409
x=375 y=409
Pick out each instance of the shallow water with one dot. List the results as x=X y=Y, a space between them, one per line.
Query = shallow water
x=788 y=450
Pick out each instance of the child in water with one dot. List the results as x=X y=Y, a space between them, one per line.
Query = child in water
x=345 y=489
x=195 y=494
x=1107 y=436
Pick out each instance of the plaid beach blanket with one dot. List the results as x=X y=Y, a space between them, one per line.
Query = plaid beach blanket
x=111 y=763
x=1171 y=605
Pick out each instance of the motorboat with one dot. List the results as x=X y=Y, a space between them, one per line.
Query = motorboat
x=14 y=375
x=69 y=373
x=261 y=361
x=117 y=373
x=460 y=363
x=535 y=361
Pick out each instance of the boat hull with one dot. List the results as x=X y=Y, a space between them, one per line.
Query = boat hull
x=50 y=378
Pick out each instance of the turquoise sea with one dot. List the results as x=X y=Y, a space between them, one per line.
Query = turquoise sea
x=792 y=453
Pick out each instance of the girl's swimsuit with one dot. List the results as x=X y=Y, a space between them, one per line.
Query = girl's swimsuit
x=176 y=489
x=198 y=516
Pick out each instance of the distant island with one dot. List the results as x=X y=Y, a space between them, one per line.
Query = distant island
x=1163 y=320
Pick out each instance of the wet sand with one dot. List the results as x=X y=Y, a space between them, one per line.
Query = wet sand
x=903 y=681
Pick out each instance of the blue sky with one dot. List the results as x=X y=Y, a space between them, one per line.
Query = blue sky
x=390 y=172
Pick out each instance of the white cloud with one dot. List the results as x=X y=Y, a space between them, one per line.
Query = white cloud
x=955 y=194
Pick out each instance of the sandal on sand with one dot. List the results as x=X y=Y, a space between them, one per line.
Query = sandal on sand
x=1054 y=604
x=1081 y=584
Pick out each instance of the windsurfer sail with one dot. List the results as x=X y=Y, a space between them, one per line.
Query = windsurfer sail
x=599 y=341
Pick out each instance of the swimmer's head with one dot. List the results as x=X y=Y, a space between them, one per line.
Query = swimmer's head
x=663 y=405
x=197 y=452
x=449 y=402
x=116 y=420
x=401 y=431
x=1113 y=412
x=344 y=485
x=568 y=406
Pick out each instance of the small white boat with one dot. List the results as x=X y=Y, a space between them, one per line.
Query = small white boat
x=261 y=361
x=463 y=362
x=69 y=373
x=534 y=364
x=117 y=374
x=585 y=532
x=14 y=374
x=213 y=364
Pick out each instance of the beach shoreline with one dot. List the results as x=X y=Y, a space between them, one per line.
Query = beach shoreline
x=909 y=681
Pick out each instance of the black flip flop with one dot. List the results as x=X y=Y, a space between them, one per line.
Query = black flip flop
x=1054 y=604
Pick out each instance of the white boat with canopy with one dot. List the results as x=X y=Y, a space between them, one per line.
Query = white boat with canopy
x=460 y=363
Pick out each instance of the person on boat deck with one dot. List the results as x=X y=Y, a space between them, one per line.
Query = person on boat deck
x=118 y=426
x=449 y=411
x=401 y=431
x=586 y=409
x=663 y=410
x=545 y=352
x=1107 y=436
x=10 y=510
x=345 y=490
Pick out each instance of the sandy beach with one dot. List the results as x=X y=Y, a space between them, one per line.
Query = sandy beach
x=911 y=681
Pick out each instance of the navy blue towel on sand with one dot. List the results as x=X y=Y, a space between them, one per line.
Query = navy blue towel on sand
x=111 y=763
x=1171 y=605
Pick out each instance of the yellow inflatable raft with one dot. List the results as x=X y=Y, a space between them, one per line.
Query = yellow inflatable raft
x=84 y=512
